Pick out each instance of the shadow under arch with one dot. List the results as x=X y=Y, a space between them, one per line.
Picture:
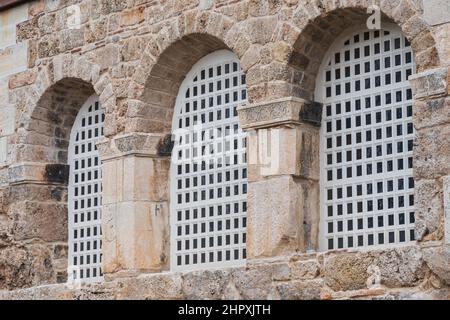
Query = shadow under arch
x=45 y=136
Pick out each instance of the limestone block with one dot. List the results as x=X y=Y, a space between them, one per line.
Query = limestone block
x=300 y=290
x=429 y=83
x=275 y=217
x=25 y=266
x=38 y=220
x=281 y=272
x=438 y=260
x=436 y=11
x=431 y=112
x=147 y=179
x=112 y=180
x=107 y=56
x=346 y=271
x=429 y=207
x=446 y=191
x=150 y=145
x=151 y=287
x=136 y=236
x=4 y=95
x=269 y=114
x=109 y=238
x=308 y=269
x=206 y=284
x=21 y=172
x=398 y=267
x=134 y=178
x=3 y=150
x=253 y=283
x=8 y=21
x=283 y=150
x=22 y=79
x=205 y=4
x=13 y=59
x=132 y=17
x=151 y=237
x=431 y=152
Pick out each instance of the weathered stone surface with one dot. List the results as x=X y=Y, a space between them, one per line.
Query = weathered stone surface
x=274 y=231
x=205 y=284
x=271 y=113
x=446 y=196
x=431 y=152
x=151 y=287
x=436 y=11
x=25 y=266
x=347 y=271
x=401 y=267
x=45 y=221
x=300 y=290
x=429 y=208
x=308 y=269
x=253 y=283
x=431 y=112
x=438 y=260
x=429 y=83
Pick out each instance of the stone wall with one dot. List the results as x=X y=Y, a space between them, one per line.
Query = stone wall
x=394 y=274
x=134 y=54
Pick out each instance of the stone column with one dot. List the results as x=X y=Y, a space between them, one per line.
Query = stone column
x=283 y=175
x=431 y=151
x=135 y=173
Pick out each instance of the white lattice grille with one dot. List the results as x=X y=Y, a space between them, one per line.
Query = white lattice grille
x=209 y=174
x=85 y=189
x=367 y=186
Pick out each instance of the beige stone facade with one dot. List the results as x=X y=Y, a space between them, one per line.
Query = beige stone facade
x=134 y=55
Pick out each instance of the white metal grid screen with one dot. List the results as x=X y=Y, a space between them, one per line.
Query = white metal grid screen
x=209 y=173
x=367 y=186
x=85 y=189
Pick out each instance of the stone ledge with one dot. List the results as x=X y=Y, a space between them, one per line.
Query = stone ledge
x=139 y=144
x=285 y=111
x=431 y=83
x=23 y=173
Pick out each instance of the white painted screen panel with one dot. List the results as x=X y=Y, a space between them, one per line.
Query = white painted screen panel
x=367 y=186
x=209 y=172
x=85 y=187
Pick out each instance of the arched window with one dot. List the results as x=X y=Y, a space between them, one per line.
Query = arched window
x=367 y=185
x=85 y=187
x=209 y=172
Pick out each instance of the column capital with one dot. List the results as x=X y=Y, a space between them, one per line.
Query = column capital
x=154 y=145
x=285 y=111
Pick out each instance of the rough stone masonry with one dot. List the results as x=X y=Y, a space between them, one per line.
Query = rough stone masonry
x=134 y=54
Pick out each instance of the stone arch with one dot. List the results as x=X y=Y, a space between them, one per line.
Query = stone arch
x=174 y=48
x=44 y=136
x=153 y=112
x=320 y=26
x=46 y=108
